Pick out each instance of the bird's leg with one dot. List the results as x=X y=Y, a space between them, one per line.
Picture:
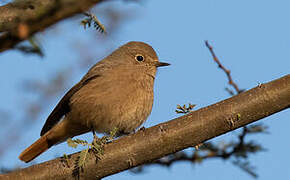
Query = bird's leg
x=96 y=140
x=94 y=134
x=98 y=144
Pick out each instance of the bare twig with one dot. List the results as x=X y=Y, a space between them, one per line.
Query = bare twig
x=228 y=72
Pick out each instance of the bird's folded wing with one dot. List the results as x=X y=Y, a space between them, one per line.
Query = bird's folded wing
x=63 y=106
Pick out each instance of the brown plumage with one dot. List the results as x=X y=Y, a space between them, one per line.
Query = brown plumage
x=117 y=92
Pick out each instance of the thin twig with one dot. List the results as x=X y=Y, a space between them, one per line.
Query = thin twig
x=228 y=72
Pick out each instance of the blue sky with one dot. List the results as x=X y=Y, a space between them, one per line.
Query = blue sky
x=251 y=38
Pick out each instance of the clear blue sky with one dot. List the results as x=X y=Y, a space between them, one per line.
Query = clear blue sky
x=251 y=38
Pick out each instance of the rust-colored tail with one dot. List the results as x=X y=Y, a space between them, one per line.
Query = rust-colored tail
x=59 y=133
x=35 y=149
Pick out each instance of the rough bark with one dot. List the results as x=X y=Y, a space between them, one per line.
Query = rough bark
x=169 y=137
x=21 y=19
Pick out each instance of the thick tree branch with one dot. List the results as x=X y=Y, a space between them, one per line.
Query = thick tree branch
x=21 y=19
x=169 y=137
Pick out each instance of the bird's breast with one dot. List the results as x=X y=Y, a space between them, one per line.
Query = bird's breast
x=122 y=101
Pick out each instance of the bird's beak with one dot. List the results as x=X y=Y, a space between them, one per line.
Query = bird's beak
x=159 y=64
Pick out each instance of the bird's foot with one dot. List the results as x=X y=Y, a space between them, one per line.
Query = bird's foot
x=98 y=143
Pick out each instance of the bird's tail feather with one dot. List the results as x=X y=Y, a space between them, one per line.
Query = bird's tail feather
x=38 y=147
x=59 y=133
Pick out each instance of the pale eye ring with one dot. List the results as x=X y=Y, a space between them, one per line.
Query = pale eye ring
x=139 y=57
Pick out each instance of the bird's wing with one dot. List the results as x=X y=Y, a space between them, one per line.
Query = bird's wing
x=63 y=106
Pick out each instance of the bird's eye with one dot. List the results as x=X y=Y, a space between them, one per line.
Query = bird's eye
x=139 y=57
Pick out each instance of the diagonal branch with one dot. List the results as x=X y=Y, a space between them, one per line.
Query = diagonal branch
x=21 y=19
x=186 y=131
x=220 y=65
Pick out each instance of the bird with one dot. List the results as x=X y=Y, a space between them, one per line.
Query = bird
x=116 y=92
